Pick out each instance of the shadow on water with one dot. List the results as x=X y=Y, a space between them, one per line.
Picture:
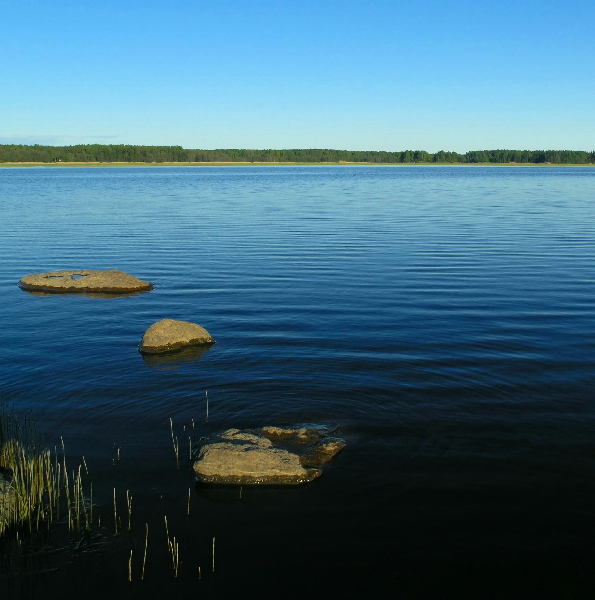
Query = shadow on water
x=89 y=295
x=234 y=494
x=174 y=360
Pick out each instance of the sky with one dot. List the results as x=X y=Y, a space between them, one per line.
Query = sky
x=390 y=75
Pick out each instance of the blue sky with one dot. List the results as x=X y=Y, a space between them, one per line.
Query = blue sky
x=385 y=75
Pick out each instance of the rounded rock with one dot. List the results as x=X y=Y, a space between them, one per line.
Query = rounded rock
x=168 y=335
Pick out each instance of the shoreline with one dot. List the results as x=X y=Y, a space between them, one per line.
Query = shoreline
x=281 y=164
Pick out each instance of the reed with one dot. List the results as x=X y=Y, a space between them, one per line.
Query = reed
x=176 y=557
x=213 y=563
x=174 y=441
x=174 y=549
x=35 y=485
x=166 y=531
x=76 y=503
x=129 y=504
x=43 y=490
x=145 y=555
x=115 y=513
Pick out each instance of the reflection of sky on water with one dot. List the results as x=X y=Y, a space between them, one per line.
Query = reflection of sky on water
x=443 y=316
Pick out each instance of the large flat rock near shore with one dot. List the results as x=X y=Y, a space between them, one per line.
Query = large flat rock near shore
x=267 y=456
x=169 y=335
x=84 y=281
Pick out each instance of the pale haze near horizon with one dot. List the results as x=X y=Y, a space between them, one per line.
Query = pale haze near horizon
x=457 y=75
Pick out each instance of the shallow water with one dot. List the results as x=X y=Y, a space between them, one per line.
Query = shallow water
x=441 y=317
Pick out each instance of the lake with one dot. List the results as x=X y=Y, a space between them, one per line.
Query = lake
x=441 y=318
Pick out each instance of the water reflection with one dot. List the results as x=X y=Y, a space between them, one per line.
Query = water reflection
x=173 y=360
x=234 y=494
x=92 y=295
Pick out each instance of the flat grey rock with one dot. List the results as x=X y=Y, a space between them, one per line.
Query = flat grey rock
x=84 y=281
x=267 y=456
x=168 y=335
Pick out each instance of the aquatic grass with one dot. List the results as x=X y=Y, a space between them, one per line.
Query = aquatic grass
x=213 y=563
x=146 y=546
x=129 y=504
x=174 y=441
x=25 y=482
x=57 y=501
x=35 y=485
x=174 y=549
x=115 y=513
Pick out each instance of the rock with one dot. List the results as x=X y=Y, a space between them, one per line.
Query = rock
x=7 y=495
x=106 y=282
x=168 y=335
x=298 y=435
x=321 y=448
x=322 y=452
x=253 y=457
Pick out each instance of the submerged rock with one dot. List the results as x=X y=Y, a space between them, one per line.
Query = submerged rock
x=269 y=456
x=321 y=453
x=168 y=335
x=310 y=434
x=85 y=281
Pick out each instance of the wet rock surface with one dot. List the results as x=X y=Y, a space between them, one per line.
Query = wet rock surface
x=169 y=335
x=84 y=281
x=266 y=456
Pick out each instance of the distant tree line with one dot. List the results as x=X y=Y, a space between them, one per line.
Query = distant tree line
x=176 y=154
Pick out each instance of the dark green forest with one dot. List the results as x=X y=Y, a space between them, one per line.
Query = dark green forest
x=177 y=154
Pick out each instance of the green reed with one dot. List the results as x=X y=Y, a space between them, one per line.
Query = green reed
x=36 y=485
x=40 y=490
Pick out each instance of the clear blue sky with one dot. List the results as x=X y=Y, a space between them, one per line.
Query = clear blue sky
x=382 y=75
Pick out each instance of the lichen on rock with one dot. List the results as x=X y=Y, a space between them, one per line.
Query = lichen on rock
x=84 y=281
x=169 y=335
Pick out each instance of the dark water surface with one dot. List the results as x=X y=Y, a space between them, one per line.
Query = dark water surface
x=442 y=318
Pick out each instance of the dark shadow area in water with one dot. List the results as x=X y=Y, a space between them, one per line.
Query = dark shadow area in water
x=235 y=494
x=172 y=360
x=90 y=295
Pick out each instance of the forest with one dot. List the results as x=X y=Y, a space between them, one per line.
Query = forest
x=125 y=153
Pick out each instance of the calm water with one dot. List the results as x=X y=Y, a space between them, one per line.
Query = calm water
x=442 y=318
